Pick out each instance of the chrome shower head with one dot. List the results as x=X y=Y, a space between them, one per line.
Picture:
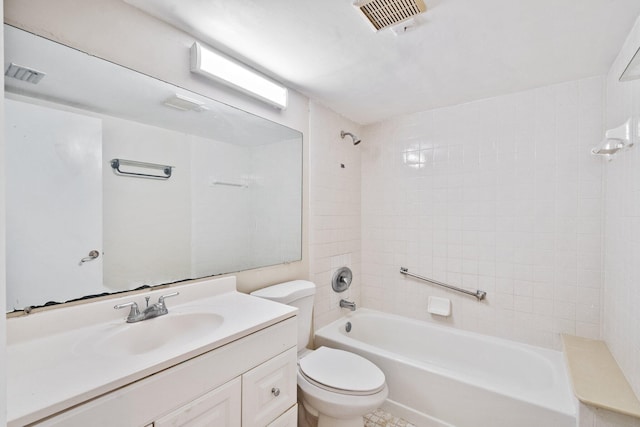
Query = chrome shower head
x=355 y=139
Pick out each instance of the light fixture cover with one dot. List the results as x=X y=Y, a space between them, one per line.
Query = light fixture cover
x=184 y=103
x=225 y=70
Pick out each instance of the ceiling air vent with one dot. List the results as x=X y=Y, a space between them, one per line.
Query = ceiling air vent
x=386 y=13
x=23 y=73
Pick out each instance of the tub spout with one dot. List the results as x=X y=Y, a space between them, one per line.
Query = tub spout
x=348 y=304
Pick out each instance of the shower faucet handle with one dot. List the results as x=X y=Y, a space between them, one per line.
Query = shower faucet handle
x=341 y=279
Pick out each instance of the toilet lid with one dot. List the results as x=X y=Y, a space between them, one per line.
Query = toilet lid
x=342 y=370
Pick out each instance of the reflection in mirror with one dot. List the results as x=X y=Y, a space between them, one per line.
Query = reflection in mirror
x=78 y=227
x=632 y=71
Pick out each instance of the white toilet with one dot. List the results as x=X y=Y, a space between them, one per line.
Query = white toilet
x=335 y=386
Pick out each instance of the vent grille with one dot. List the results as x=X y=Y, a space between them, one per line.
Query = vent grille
x=385 y=13
x=23 y=73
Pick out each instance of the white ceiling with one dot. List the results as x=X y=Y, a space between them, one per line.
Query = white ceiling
x=462 y=50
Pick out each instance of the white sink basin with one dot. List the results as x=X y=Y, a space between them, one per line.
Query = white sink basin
x=175 y=329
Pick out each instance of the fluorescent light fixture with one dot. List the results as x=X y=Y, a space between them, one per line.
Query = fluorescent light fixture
x=225 y=70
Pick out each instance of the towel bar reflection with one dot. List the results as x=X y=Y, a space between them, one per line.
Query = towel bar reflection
x=480 y=295
x=117 y=163
x=230 y=184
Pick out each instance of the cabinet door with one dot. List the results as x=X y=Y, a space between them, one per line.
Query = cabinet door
x=269 y=389
x=219 y=407
x=54 y=203
x=288 y=419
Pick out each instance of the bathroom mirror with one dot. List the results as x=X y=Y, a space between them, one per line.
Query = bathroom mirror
x=632 y=71
x=224 y=195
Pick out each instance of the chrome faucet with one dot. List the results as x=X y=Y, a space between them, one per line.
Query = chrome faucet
x=155 y=310
x=348 y=304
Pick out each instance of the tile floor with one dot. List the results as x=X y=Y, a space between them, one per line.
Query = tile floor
x=380 y=418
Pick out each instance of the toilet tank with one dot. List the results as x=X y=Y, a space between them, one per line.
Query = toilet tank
x=299 y=294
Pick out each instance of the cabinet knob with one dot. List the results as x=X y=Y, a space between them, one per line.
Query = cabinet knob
x=275 y=391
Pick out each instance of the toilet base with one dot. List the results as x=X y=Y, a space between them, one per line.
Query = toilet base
x=327 y=421
x=309 y=417
x=305 y=418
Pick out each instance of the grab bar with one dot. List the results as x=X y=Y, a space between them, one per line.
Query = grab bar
x=480 y=295
x=116 y=163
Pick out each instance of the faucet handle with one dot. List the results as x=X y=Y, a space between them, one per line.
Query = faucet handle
x=172 y=294
x=135 y=311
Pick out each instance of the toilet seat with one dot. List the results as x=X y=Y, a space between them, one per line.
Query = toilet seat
x=341 y=372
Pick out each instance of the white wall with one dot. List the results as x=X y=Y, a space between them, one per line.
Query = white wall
x=229 y=220
x=220 y=213
x=500 y=194
x=3 y=283
x=335 y=210
x=113 y=30
x=274 y=199
x=622 y=225
x=147 y=222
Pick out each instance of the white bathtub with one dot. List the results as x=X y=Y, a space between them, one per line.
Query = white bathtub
x=440 y=376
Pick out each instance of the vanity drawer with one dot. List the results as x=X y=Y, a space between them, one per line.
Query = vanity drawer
x=269 y=389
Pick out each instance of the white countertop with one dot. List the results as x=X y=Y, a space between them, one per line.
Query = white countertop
x=51 y=363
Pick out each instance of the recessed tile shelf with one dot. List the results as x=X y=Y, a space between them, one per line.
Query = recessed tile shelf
x=597 y=380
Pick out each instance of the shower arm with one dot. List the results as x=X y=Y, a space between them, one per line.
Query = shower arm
x=354 y=138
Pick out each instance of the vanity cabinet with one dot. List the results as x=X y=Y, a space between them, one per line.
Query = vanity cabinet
x=219 y=407
x=250 y=382
x=263 y=396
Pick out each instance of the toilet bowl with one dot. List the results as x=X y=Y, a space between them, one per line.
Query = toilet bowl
x=336 y=388
x=339 y=387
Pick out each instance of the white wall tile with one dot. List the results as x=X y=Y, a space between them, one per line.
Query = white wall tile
x=335 y=206
x=621 y=296
x=492 y=193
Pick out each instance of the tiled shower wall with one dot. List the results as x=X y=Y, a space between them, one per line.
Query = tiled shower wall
x=622 y=225
x=500 y=194
x=335 y=209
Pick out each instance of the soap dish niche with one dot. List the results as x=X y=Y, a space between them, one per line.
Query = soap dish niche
x=618 y=139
